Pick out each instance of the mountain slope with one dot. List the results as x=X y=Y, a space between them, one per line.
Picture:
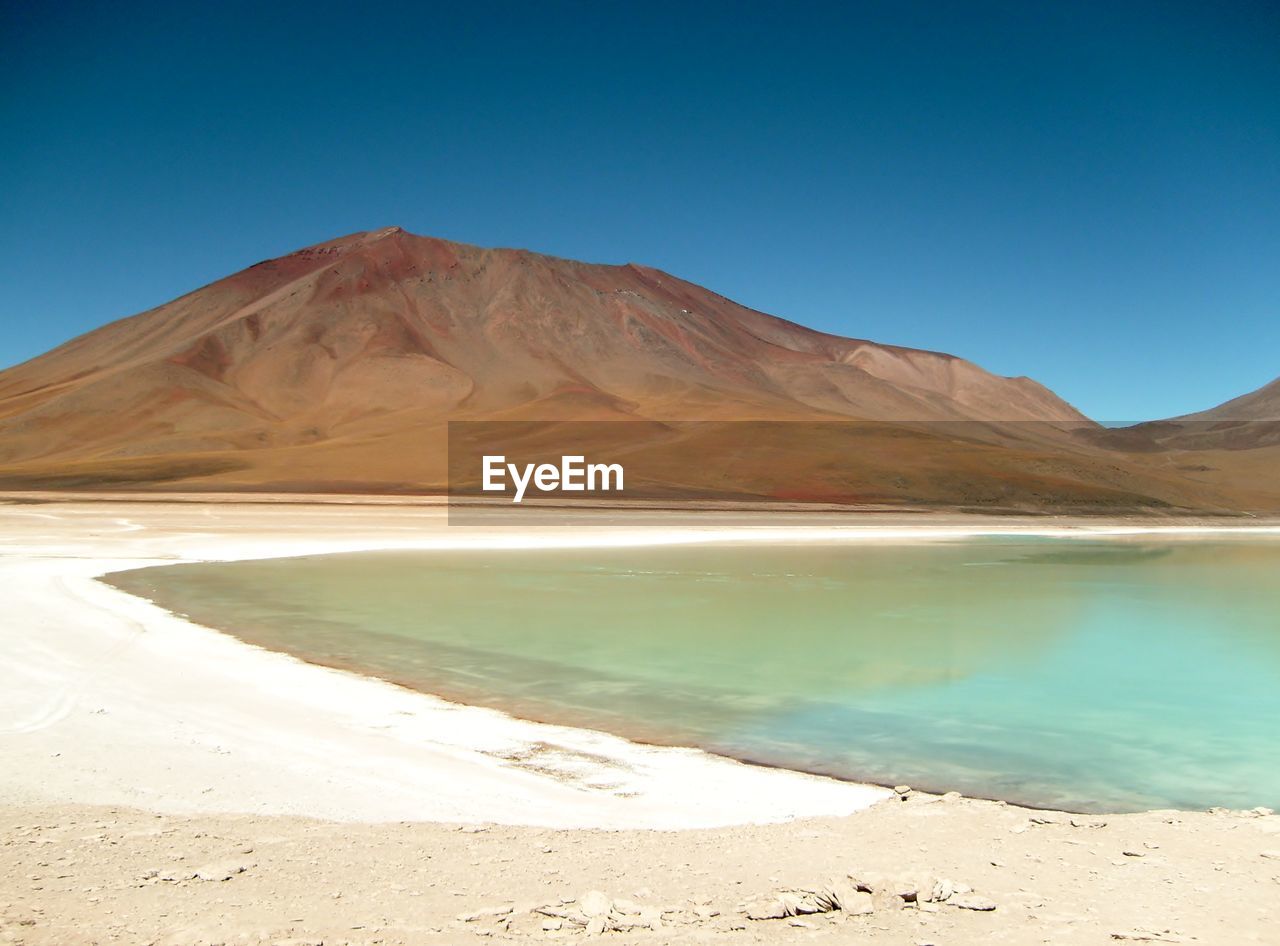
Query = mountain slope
x=317 y=341
x=1248 y=422
x=381 y=321
x=338 y=366
x=1260 y=405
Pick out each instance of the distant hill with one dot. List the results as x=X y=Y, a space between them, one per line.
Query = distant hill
x=1248 y=422
x=1262 y=404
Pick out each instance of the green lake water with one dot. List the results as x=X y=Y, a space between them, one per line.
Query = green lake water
x=1087 y=675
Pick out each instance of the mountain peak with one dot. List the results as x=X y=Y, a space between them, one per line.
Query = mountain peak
x=359 y=341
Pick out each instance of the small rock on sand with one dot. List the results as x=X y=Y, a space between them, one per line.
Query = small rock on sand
x=971 y=901
x=1087 y=823
x=488 y=913
x=219 y=872
x=594 y=904
x=857 y=904
x=1148 y=936
x=786 y=903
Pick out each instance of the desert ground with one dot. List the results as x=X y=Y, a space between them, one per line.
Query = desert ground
x=164 y=783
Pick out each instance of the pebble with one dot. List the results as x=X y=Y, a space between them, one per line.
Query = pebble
x=219 y=872
x=1083 y=823
x=972 y=901
x=1148 y=936
x=489 y=913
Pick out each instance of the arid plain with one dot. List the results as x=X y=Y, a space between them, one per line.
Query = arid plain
x=167 y=784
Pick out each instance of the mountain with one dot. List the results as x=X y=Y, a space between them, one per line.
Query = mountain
x=338 y=366
x=1260 y=405
x=1248 y=422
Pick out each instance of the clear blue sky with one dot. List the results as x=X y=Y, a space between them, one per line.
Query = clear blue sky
x=1086 y=193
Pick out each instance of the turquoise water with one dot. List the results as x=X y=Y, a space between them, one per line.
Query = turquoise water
x=1087 y=675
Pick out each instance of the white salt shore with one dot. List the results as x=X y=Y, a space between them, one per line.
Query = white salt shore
x=110 y=700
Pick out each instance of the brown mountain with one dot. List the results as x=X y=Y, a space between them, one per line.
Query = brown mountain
x=336 y=368
x=1260 y=405
x=1248 y=422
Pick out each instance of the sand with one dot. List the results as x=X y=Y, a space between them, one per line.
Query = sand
x=132 y=742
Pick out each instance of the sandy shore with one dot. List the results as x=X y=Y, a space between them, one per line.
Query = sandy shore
x=113 y=708
x=112 y=700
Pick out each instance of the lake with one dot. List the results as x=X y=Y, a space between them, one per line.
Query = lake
x=1090 y=675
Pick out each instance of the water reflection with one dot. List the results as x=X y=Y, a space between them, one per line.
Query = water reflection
x=1100 y=674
